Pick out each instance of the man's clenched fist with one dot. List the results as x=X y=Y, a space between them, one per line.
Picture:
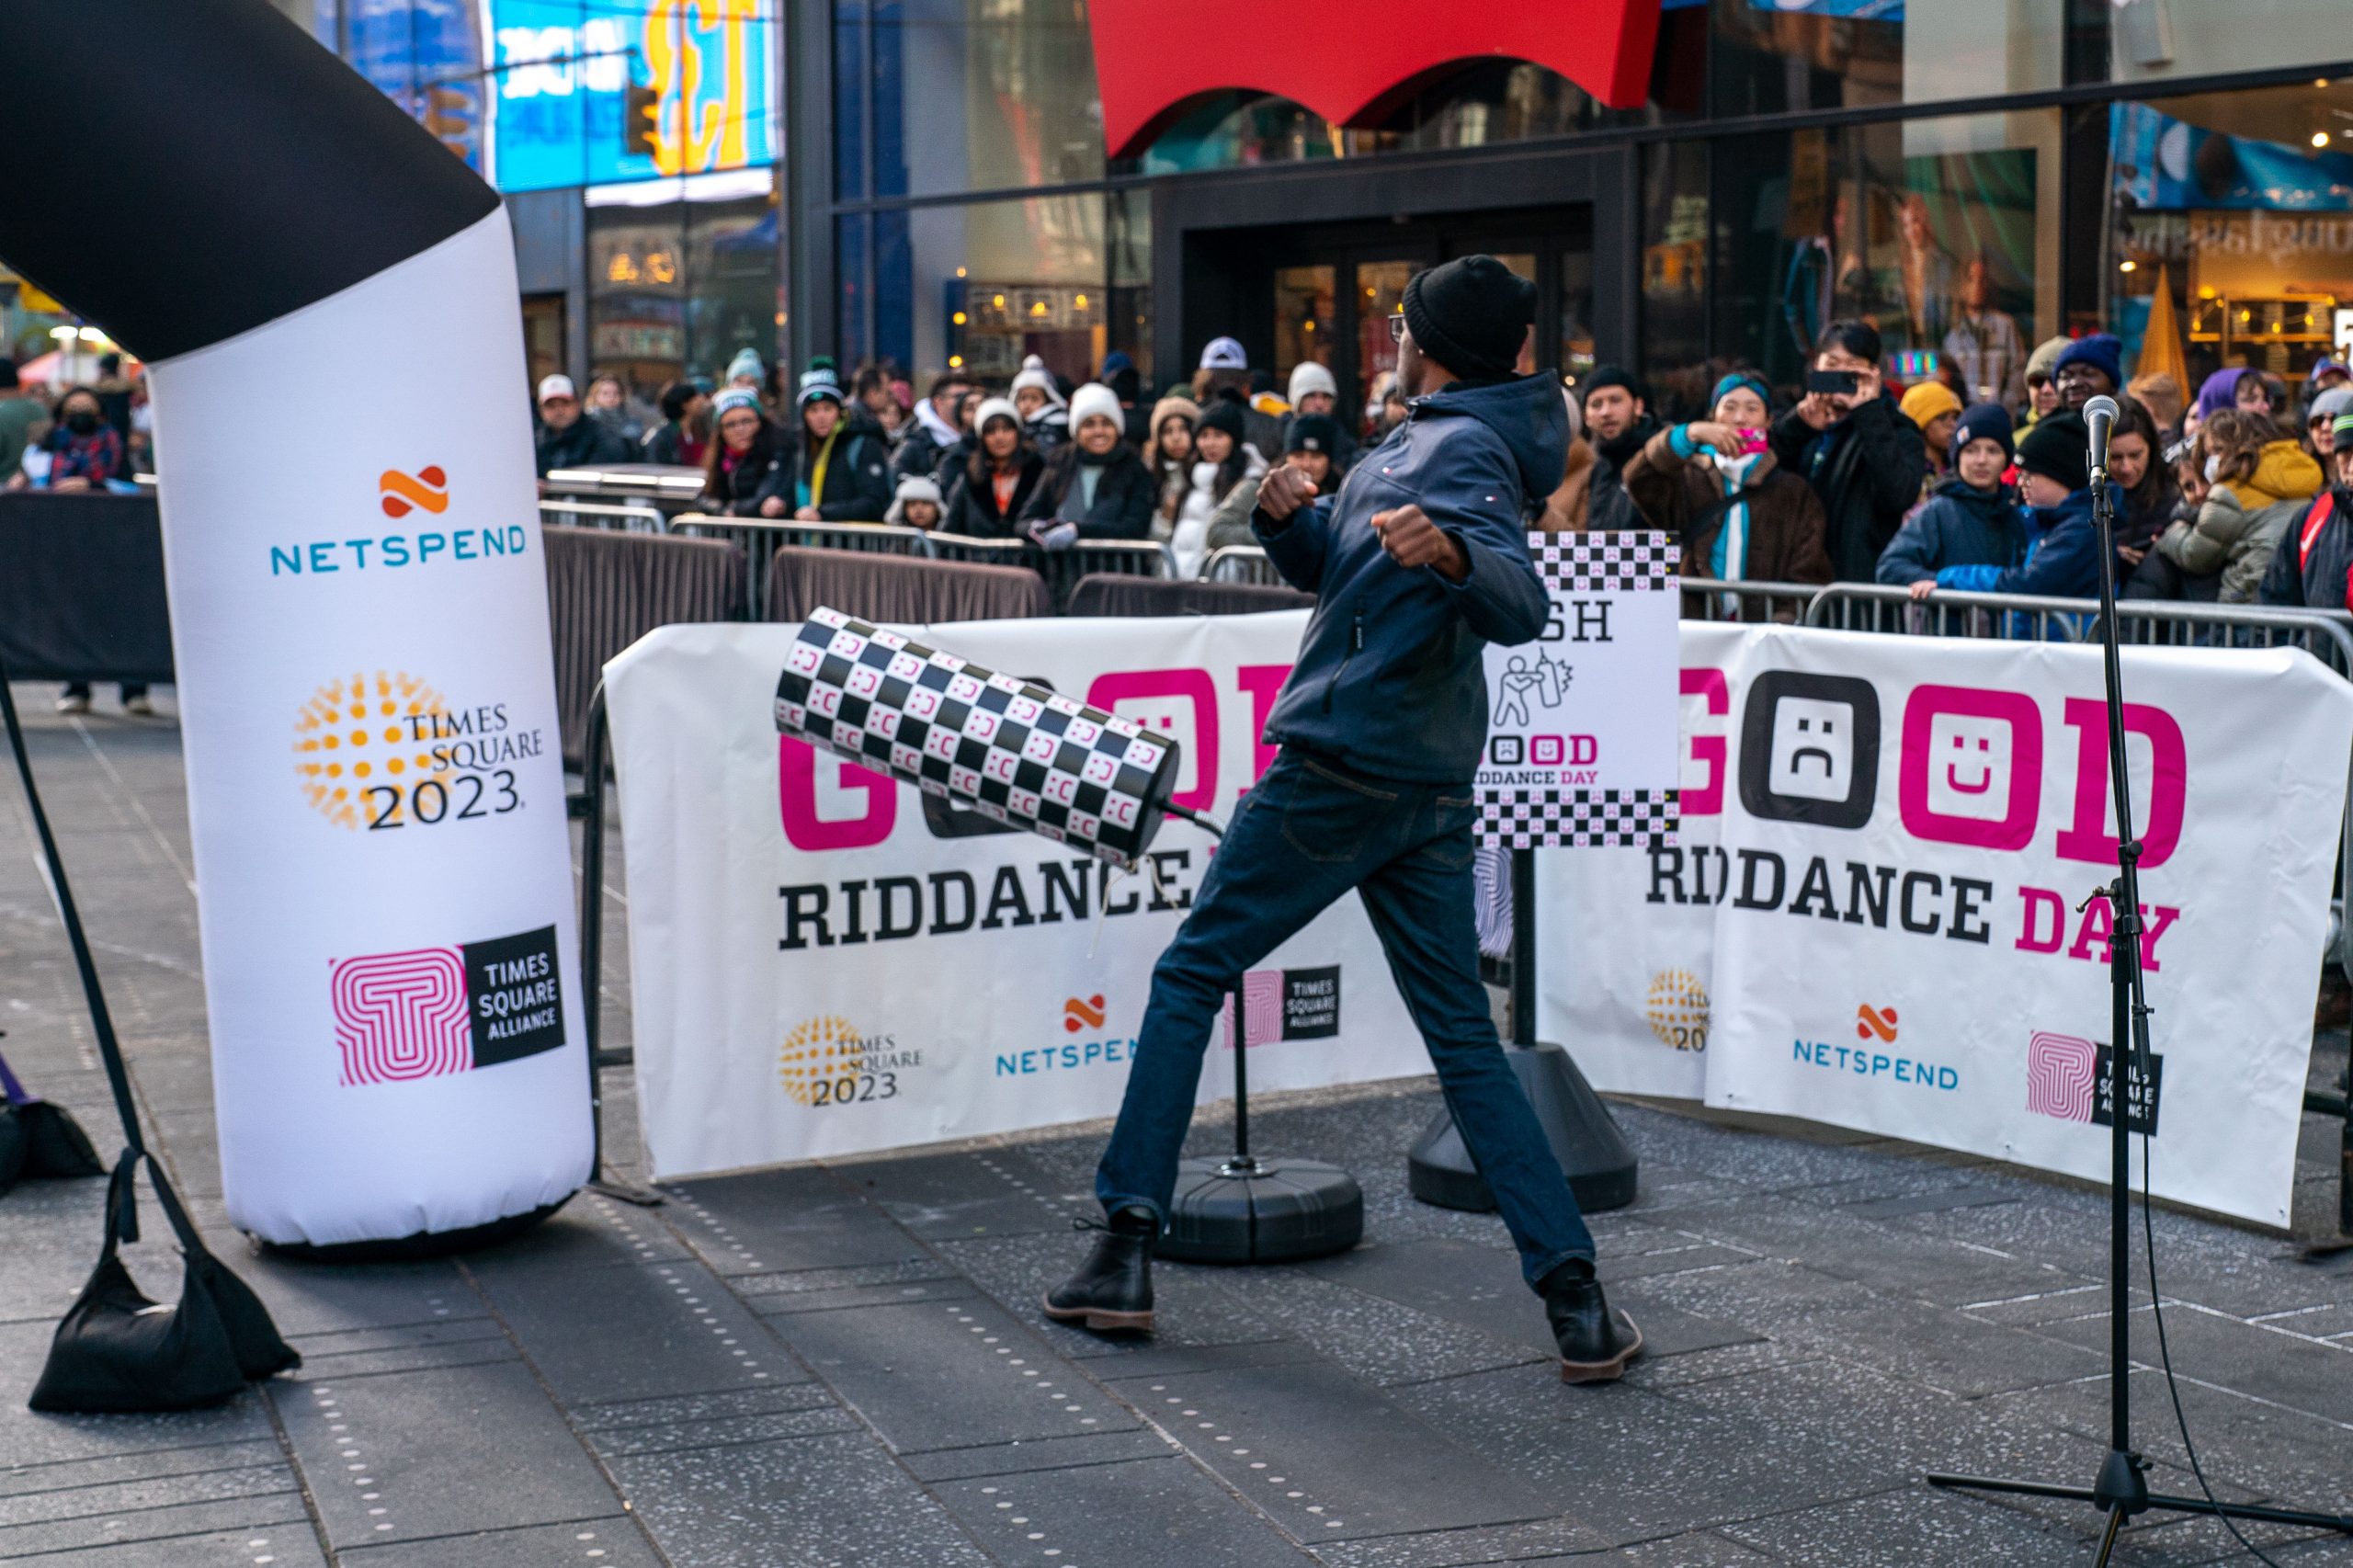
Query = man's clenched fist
x=1412 y=539
x=1284 y=491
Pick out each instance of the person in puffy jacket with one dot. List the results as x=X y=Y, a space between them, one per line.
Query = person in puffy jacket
x=1713 y=484
x=1093 y=486
x=1045 y=416
x=2259 y=482
x=2314 y=559
x=1226 y=471
x=1418 y=561
x=748 y=470
x=1971 y=519
x=2062 y=559
x=997 y=479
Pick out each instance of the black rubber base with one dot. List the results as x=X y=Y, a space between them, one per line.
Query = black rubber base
x=1277 y=1211
x=423 y=1244
x=1594 y=1155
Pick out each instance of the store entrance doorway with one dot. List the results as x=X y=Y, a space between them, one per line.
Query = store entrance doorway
x=1326 y=292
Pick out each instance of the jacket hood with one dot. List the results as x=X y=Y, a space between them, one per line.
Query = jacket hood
x=1998 y=499
x=1527 y=413
x=2283 y=470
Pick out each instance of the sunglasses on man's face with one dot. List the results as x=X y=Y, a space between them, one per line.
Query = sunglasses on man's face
x=1397 y=327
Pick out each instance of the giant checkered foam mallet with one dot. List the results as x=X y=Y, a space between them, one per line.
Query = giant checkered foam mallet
x=1008 y=748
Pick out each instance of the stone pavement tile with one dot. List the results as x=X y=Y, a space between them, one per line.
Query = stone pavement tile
x=1725 y=1361
x=1542 y=1541
x=52 y=1244
x=1191 y=1305
x=17 y=1479
x=947 y=1375
x=2248 y=1447
x=1890 y=1431
x=1886 y=1257
x=590 y=1232
x=2044 y=1306
x=1134 y=1356
x=409 y=1347
x=1702 y=1549
x=703 y=1409
x=846 y=1297
x=1902 y=1528
x=808 y=1420
x=330 y=1298
x=288 y=1545
x=980 y=1192
x=1629 y=1463
x=1904 y=1337
x=1137 y=1514
x=263 y=1513
x=1380 y=1340
x=800 y=1218
x=769 y=1293
x=1481 y=1289
x=659 y=1328
x=110 y=1498
x=612 y=1542
x=2314 y=1376
x=1038 y=1453
x=835 y=1501
x=417 y=1454
x=1341 y=1458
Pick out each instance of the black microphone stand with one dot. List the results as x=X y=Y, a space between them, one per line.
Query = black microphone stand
x=2122 y=1489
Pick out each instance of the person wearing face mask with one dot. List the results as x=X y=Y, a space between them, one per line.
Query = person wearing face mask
x=2258 y=483
x=85 y=451
x=1971 y=519
x=1740 y=516
x=998 y=478
x=2315 y=555
x=2062 y=556
x=748 y=470
x=1096 y=486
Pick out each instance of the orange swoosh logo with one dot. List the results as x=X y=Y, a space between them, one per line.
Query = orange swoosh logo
x=429 y=488
x=1083 y=1012
x=1869 y=1020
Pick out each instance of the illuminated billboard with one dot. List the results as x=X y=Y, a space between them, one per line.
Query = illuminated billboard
x=595 y=92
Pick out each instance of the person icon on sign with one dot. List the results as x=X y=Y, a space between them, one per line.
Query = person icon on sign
x=1518 y=680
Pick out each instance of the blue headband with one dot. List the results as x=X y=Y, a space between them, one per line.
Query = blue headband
x=1741 y=379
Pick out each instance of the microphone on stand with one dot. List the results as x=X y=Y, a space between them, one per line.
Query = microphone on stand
x=2100 y=415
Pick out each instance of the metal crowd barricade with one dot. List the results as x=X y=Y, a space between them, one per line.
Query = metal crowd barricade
x=1708 y=598
x=622 y=518
x=1061 y=569
x=667 y=487
x=1240 y=564
x=761 y=538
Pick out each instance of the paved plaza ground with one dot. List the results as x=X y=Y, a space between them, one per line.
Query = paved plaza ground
x=842 y=1366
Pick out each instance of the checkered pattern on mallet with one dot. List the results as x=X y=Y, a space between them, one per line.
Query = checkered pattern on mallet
x=1011 y=750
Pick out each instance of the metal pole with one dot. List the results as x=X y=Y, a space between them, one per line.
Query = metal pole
x=1523 y=947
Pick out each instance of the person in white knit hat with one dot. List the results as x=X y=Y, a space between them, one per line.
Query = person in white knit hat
x=1095 y=486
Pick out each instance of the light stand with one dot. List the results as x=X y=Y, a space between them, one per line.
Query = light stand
x=1583 y=1137
x=1242 y=1208
x=2121 y=1490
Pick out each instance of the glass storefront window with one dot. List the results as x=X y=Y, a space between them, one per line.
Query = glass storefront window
x=1933 y=229
x=992 y=282
x=974 y=95
x=1128 y=218
x=2232 y=210
x=675 y=288
x=1776 y=56
x=1674 y=279
x=1303 y=310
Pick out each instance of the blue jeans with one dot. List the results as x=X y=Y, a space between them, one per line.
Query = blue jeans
x=1307 y=833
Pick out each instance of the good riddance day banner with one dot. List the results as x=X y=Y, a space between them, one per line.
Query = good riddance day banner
x=825 y=960
x=1871 y=919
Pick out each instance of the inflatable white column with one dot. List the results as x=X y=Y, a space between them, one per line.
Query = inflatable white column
x=360 y=611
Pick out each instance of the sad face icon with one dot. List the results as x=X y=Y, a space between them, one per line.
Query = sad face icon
x=1813 y=748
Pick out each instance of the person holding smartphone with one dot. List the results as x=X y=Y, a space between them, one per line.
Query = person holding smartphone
x=1864 y=459
x=1738 y=515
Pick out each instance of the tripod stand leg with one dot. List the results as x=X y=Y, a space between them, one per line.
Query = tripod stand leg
x=2108 y=1537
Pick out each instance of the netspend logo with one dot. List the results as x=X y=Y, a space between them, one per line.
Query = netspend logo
x=402 y=493
x=1083 y=1012
x=1875 y=1023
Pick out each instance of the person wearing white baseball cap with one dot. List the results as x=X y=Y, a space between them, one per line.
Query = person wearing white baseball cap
x=1095 y=486
x=998 y=480
x=566 y=440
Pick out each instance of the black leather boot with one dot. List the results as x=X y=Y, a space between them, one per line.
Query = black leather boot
x=1113 y=1290
x=1595 y=1343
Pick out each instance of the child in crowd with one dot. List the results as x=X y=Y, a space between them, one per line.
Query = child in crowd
x=1971 y=518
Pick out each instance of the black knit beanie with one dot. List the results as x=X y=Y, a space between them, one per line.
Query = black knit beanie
x=1223 y=413
x=1602 y=376
x=1312 y=433
x=1470 y=315
x=2058 y=447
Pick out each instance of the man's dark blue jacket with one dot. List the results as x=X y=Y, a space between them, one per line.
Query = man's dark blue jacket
x=1391 y=679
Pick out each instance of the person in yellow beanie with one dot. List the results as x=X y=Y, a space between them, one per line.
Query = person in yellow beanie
x=1932 y=407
